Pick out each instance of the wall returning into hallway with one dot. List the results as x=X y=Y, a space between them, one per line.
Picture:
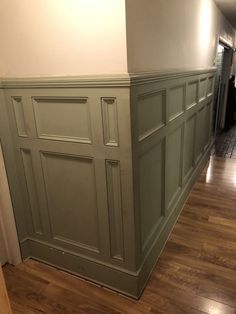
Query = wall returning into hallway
x=176 y=34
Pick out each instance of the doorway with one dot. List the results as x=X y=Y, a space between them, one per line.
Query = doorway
x=223 y=64
x=224 y=142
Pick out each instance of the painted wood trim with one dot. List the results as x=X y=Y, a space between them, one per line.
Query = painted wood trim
x=115 y=209
x=119 y=80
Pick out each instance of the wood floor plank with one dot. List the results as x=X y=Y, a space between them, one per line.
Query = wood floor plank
x=195 y=274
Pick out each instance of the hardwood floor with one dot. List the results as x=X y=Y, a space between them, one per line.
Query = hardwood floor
x=225 y=144
x=196 y=272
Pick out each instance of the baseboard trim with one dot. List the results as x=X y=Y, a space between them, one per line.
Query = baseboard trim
x=103 y=275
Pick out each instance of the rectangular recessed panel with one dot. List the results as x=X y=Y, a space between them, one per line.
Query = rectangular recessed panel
x=32 y=190
x=192 y=93
x=150 y=113
x=115 y=209
x=189 y=138
x=202 y=129
x=210 y=84
x=173 y=165
x=150 y=189
x=110 y=121
x=202 y=89
x=176 y=101
x=72 y=200
x=64 y=119
x=19 y=116
x=207 y=124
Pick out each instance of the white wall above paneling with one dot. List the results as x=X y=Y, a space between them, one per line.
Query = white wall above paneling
x=91 y=37
x=173 y=34
x=62 y=37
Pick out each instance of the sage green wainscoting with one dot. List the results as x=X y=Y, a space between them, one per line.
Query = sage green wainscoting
x=99 y=167
x=171 y=124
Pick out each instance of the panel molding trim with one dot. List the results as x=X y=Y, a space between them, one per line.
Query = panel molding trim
x=115 y=209
x=110 y=121
x=54 y=115
x=74 y=234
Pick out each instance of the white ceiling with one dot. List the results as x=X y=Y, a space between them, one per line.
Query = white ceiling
x=228 y=7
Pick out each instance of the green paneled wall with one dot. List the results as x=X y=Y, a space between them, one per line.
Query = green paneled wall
x=99 y=167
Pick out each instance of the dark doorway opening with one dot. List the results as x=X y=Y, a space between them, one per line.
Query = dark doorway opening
x=224 y=141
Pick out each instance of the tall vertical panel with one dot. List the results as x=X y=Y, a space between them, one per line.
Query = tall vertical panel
x=202 y=89
x=19 y=116
x=151 y=190
x=188 y=151
x=210 y=85
x=173 y=166
x=110 y=121
x=176 y=101
x=32 y=190
x=115 y=209
x=202 y=125
x=192 y=94
x=72 y=199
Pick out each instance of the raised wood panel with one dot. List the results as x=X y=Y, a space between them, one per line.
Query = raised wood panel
x=151 y=183
x=188 y=149
x=19 y=116
x=110 y=121
x=210 y=85
x=173 y=166
x=115 y=209
x=150 y=113
x=202 y=89
x=72 y=200
x=207 y=124
x=192 y=93
x=201 y=132
x=32 y=190
x=63 y=119
x=176 y=101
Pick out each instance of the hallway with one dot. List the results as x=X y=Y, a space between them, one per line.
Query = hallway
x=196 y=272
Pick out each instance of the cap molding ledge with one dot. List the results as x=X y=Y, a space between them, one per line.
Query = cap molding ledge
x=99 y=81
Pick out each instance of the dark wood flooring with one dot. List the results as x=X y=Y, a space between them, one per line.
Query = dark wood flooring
x=196 y=272
x=225 y=144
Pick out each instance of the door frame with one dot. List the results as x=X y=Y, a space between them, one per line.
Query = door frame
x=224 y=79
x=7 y=225
x=7 y=219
